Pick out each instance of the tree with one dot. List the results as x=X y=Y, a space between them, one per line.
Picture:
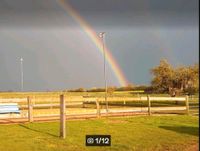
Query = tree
x=129 y=87
x=187 y=78
x=162 y=76
x=111 y=90
x=175 y=80
x=77 y=90
x=192 y=79
x=180 y=77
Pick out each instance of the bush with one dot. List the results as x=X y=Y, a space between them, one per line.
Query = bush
x=77 y=90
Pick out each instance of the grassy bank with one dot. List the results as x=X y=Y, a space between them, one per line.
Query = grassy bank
x=128 y=133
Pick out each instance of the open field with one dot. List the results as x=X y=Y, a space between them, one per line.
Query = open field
x=54 y=96
x=88 y=94
x=174 y=133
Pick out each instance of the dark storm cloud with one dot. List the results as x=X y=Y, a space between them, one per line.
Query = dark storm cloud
x=58 y=53
x=178 y=6
x=49 y=13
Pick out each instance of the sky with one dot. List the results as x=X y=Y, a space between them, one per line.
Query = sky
x=58 y=53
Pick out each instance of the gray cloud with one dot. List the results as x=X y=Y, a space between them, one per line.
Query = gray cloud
x=109 y=13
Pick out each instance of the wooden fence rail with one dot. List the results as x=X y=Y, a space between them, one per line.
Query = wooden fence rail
x=83 y=101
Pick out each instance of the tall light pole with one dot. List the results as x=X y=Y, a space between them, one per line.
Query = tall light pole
x=22 y=74
x=102 y=36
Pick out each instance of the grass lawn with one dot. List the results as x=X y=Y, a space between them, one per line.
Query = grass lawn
x=175 y=132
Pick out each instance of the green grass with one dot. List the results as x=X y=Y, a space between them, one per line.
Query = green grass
x=128 y=133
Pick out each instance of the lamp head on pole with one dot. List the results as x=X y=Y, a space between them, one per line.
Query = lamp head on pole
x=101 y=34
x=21 y=59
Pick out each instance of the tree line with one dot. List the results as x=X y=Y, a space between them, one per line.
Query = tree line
x=165 y=79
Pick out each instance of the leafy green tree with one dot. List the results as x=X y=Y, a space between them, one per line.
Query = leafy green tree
x=77 y=90
x=111 y=90
x=162 y=76
x=187 y=78
x=192 y=83
x=175 y=80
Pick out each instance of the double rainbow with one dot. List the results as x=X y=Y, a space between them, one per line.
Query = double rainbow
x=96 y=40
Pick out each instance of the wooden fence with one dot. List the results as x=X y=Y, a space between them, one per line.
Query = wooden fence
x=97 y=101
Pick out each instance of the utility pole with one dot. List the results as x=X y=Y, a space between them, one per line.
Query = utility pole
x=102 y=36
x=22 y=75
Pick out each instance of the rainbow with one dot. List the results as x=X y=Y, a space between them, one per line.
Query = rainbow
x=96 y=40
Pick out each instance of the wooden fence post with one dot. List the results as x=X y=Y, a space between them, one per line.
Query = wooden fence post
x=98 y=108
x=83 y=104
x=187 y=104
x=30 y=110
x=149 y=104
x=62 y=116
x=124 y=102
